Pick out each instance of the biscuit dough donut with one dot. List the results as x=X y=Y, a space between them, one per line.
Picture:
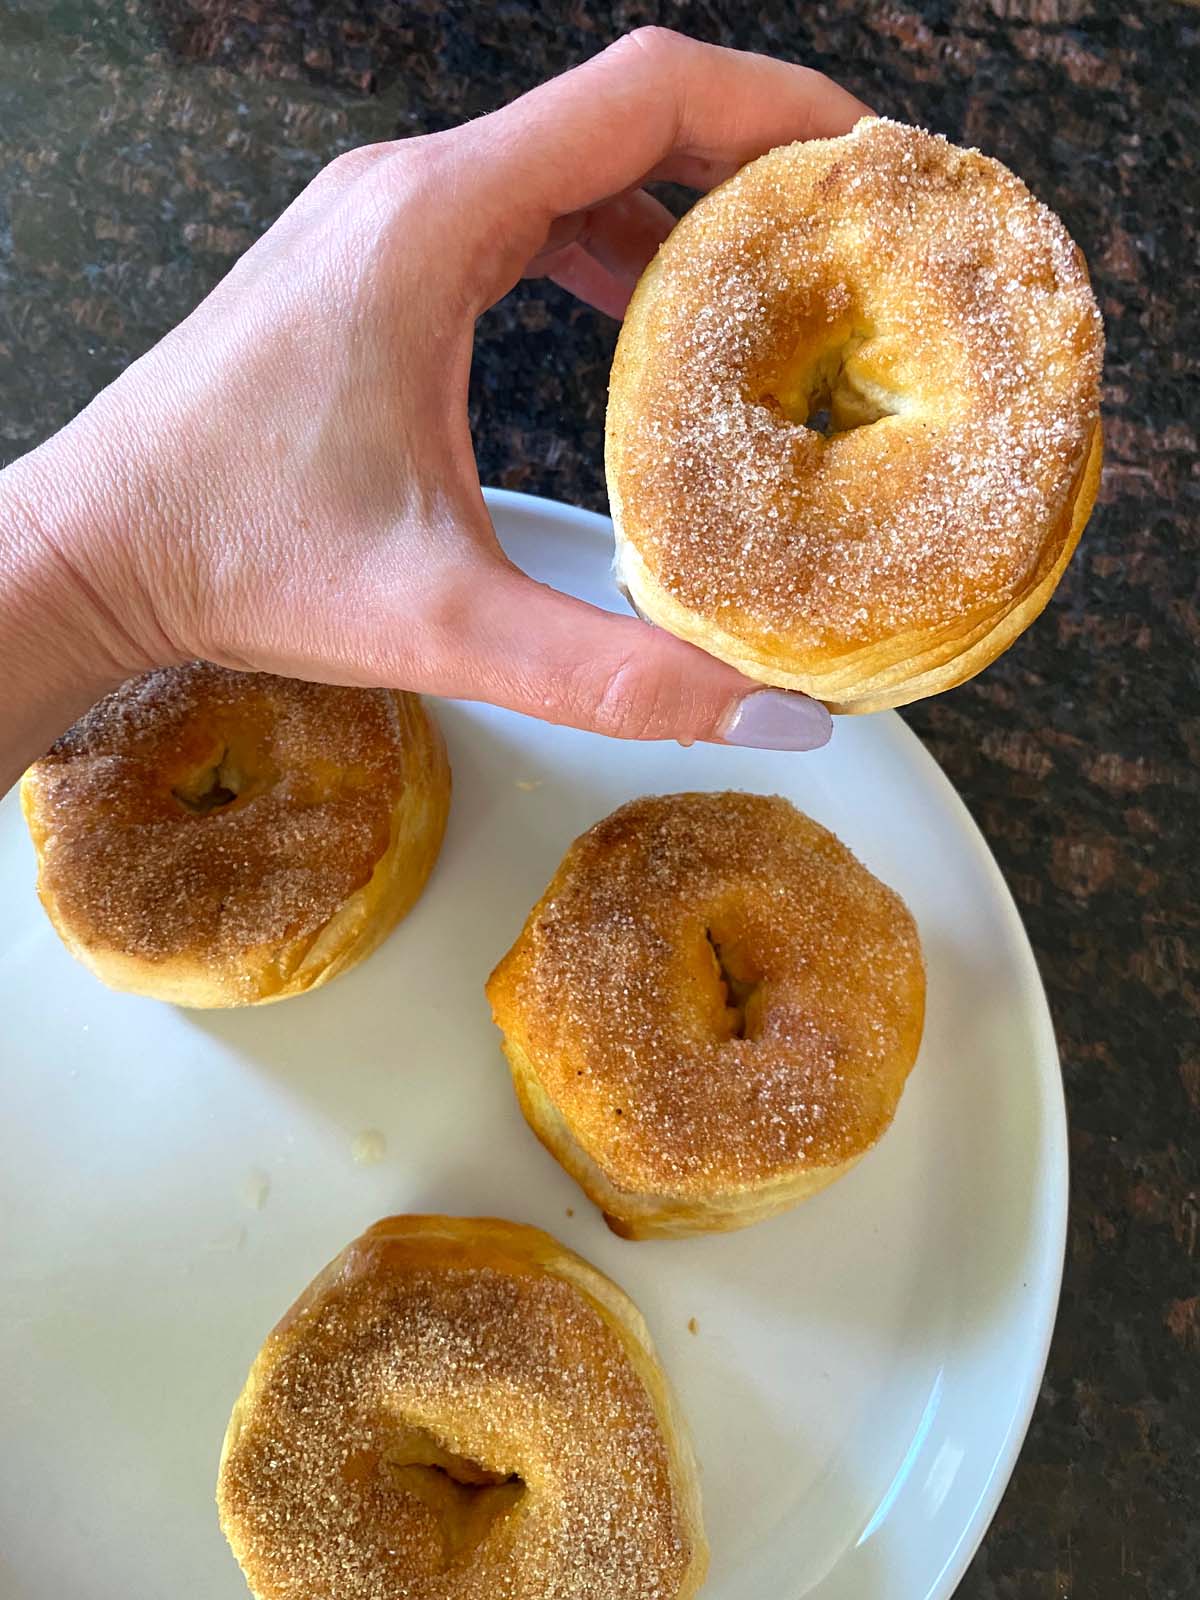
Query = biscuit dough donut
x=460 y=1410
x=711 y=1012
x=217 y=838
x=853 y=427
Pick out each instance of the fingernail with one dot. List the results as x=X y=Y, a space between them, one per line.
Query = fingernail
x=773 y=719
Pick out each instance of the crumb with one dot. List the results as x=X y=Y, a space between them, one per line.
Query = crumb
x=368 y=1148
x=528 y=785
x=693 y=1325
x=570 y=1211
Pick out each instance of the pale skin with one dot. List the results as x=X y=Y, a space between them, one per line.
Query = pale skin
x=287 y=483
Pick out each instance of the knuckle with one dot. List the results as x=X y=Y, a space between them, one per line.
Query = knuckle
x=416 y=155
x=662 y=45
x=626 y=705
x=414 y=170
x=352 y=164
x=408 y=162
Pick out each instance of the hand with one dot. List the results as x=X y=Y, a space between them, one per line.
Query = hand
x=286 y=482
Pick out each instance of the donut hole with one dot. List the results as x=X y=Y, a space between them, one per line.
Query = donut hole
x=463 y=1497
x=740 y=983
x=213 y=786
x=826 y=389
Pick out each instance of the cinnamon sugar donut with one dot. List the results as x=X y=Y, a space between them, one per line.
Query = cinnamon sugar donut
x=853 y=429
x=460 y=1410
x=217 y=838
x=711 y=1012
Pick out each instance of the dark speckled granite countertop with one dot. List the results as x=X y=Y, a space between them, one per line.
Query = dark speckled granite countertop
x=145 y=143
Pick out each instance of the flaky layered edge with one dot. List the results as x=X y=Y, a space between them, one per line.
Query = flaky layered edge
x=893 y=672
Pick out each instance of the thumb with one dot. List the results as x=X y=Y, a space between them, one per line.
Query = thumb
x=550 y=656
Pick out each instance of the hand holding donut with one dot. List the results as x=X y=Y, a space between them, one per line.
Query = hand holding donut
x=286 y=482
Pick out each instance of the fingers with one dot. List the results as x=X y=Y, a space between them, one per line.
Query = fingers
x=580 y=274
x=659 y=104
x=599 y=255
x=624 y=234
x=534 y=650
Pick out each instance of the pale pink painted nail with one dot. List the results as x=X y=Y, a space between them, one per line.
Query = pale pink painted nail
x=773 y=719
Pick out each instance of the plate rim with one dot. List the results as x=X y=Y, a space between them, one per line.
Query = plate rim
x=1053 y=1166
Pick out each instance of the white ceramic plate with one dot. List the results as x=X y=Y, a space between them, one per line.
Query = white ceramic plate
x=864 y=1368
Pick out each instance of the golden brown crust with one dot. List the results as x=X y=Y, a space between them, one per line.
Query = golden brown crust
x=944 y=316
x=220 y=838
x=463 y=1410
x=711 y=1012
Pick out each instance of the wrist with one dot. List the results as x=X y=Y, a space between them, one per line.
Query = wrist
x=65 y=638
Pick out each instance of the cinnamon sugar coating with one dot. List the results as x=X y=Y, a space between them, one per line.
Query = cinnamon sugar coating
x=460 y=1410
x=216 y=838
x=713 y=998
x=131 y=862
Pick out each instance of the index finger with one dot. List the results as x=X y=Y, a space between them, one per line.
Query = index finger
x=657 y=105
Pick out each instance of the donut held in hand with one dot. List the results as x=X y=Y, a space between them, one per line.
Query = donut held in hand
x=463 y=1410
x=711 y=1012
x=853 y=428
x=217 y=838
